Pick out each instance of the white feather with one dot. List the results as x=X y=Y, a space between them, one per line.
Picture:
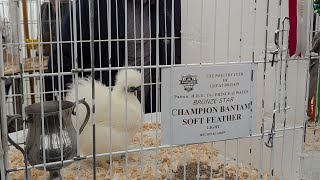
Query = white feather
x=102 y=113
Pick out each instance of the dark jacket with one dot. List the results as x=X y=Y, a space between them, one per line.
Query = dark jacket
x=48 y=20
x=117 y=6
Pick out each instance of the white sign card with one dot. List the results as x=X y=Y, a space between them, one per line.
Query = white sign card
x=207 y=103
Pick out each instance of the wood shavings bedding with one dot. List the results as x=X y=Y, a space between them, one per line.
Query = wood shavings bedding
x=312 y=138
x=150 y=164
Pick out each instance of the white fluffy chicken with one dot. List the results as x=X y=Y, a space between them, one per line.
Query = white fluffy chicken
x=102 y=113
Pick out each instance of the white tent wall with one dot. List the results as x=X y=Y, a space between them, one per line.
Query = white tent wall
x=199 y=21
x=211 y=33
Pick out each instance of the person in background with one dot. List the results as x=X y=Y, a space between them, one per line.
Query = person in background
x=117 y=56
x=48 y=22
x=313 y=80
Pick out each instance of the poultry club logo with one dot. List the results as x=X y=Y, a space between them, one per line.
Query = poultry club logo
x=188 y=82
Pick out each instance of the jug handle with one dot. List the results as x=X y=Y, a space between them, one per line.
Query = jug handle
x=83 y=101
x=10 y=119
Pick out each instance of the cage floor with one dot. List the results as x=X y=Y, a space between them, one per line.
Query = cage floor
x=312 y=139
x=152 y=163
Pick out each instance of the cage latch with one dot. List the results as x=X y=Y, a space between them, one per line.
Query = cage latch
x=270 y=137
x=276 y=42
x=272 y=131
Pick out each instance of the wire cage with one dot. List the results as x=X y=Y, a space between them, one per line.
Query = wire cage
x=61 y=59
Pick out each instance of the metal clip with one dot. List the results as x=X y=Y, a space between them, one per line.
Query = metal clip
x=269 y=144
x=272 y=131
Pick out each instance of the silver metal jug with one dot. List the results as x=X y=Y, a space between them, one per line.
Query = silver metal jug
x=50 y=143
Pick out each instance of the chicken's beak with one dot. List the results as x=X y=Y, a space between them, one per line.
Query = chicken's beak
x=138 y=88
x=134 y=89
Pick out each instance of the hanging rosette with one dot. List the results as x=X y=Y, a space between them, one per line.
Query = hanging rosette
x=298 y=34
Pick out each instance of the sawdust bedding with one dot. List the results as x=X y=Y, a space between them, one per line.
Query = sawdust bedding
x=145 y=163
